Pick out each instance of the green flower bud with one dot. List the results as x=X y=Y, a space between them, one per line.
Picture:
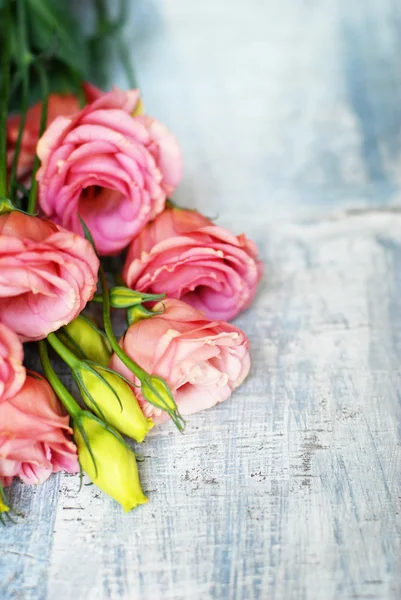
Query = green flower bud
x=123 y=297
x=6 y=206
x=107 y=460
x=86 y=340
x=4 y=506
x=112 y=399
x=5 y=509
x=138 y=312
x=156 y=391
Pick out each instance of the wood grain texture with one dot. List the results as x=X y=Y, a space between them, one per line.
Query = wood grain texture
x=289 y=117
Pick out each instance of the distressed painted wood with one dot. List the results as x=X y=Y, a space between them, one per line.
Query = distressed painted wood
x=289 y=117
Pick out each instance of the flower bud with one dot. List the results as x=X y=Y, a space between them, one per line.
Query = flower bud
x=123 y=297
x=4 y=508
x=6 y=206
x=86 y=340
x=138 y=312
x=112 y=399
x=107 y=460
x=156 y=391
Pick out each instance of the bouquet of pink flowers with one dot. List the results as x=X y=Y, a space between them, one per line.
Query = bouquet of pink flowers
x=86 y=174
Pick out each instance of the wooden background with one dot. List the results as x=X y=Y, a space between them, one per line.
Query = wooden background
x=289 y=116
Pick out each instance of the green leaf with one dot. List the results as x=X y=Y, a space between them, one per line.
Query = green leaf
x=52 y=26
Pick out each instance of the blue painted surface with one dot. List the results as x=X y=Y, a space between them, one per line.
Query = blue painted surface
x=289 y=116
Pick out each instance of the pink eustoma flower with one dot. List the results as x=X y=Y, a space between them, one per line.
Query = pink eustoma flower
x=35 y=436
x=58 y=105
x=12 y=371
x=47 y=275
x=183 y=254
x=112 y=168
x=203 y=361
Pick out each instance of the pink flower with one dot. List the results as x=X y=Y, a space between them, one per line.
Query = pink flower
x=58 y=105
x=47 y=275
x=12 y=372
x=112 y=168
x=34 y=434
x=203 y=361
x=183 y=254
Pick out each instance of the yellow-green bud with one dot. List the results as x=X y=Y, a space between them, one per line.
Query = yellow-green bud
x=4 y=508
x=83 y=338
x=6 y=206
x=109 y=463
x=156 y=391
x=138 y=312
x=123 y=297
x=112 y=398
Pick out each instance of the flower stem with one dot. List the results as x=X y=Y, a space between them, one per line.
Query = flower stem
x=33 y=194
x=69 y=403
x=154 y=389
x=98 y=44
x=23 y=60
x=109 y=28
x=5 y=76
x=64 y=353
x=132 y=366
x=147 y=381
x=125 y=56
x=78 y=81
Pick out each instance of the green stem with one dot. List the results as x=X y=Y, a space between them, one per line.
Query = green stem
x=108 y=28
x=101 y=11
x=136 y=369
x=64 y=353
x=142 y=375
x=33 y=194
x=4 y=98
x=98 y=46
x=69 y=403
x=78 y=81
x=23 y=60
x=125 y=56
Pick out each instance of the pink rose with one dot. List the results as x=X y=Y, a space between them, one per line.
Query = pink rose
x=47 y=275
x=34 y=434
x=112 y=168
x=183 y=254
x=203 y=361
x=12 y=372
